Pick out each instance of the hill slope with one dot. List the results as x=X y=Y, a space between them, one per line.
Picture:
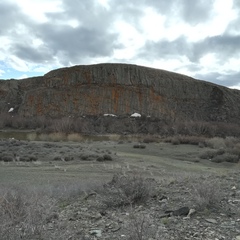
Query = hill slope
x=119 y=89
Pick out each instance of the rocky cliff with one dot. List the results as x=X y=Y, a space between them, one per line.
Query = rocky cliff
x=119 y=89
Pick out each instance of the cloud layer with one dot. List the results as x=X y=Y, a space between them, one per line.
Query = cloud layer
x=198 y=38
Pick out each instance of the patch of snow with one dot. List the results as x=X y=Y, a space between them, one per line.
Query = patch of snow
x=10 y=110
x=136 y=115
x=109 y=115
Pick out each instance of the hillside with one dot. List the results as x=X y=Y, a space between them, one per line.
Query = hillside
x=119 y=89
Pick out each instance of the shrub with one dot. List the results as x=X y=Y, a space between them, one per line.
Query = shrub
x=231 y=142
x=211 y=154
x=100 y=159
x=235 y=150
x=57 y=158
x=88 y=157
x=193 y=140
x=107 y=157
x=139 y=146
x=226 y=157
x=215 y=143
x=141 y=227
x=7 y=158
x=33 y=158
x=103 y=158
x=126 y=190
x=85 y=157
x=206 y=194
x=68 y=158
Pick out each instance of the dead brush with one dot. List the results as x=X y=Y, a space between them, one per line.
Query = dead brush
x=126 y=190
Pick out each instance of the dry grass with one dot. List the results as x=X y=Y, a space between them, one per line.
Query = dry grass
x=24 y=214
x=74 y=137
x=32 y=136
x=57 y=137
x=43 y=137
x=150 y=139
x=114 y=137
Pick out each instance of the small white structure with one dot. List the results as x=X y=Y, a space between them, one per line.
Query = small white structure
x=10 y=110
x=135 y=115
x=109 y=115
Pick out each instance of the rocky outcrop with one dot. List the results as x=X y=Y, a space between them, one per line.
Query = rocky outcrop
x=119 y=89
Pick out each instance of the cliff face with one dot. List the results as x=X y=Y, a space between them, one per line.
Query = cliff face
x=119 y=89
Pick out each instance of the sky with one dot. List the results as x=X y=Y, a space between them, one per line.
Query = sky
x=198 y=38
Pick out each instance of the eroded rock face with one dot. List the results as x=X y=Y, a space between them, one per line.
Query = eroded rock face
x=119 y=89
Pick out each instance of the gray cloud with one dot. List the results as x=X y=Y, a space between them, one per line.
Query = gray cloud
x=230 y=79
x=77 y=43
x=233 y=27
x=10 y=16
x=96 y=37
x=224 y=46
x=28 y=53
x=166 y=49
x=93 y=38
x=194 y=12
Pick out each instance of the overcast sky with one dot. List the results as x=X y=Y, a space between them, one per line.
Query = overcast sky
x=199 y=38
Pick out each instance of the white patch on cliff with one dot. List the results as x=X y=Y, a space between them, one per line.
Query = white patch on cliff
x=109 y=115
x=10 y=110
x=136 y=115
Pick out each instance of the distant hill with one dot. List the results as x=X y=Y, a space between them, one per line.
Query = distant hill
x=120 y=89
